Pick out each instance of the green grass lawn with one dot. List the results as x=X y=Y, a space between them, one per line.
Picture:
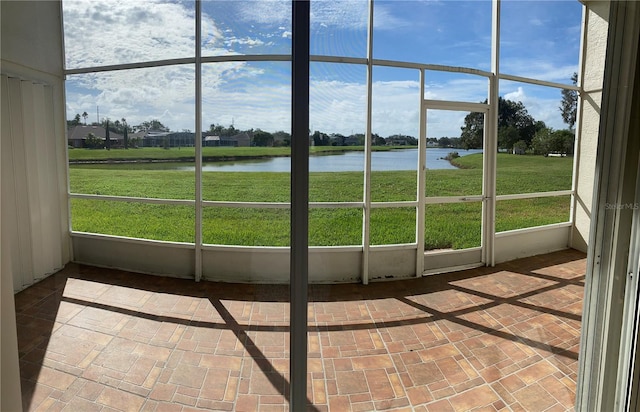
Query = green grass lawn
x=446 y=225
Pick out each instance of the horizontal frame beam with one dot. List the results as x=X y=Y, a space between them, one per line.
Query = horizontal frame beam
x=457 y=106
x=535 y=195
x=156 y=201
x=520 y=79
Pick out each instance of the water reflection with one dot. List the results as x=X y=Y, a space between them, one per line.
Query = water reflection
x=406 y=159
x=345 y=162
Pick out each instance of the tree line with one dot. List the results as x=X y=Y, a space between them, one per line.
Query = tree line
x=519 y=132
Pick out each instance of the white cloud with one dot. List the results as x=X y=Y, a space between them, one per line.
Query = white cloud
x=144 y=94
x=516 y=95
x=536 y=22
x=257 y=95
x=245 y=41
x=273 y=12
x=384 y=18
x=342 y=14
x=542 y=106
x=539 y=69
x=254 y=95
x=109 y=32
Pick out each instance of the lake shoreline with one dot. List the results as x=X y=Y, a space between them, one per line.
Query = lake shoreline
x=205 y=159
x=319 y=161
x=219 y=159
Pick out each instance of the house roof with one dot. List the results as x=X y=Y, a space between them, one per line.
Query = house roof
x=151 y=133
x=81 y=131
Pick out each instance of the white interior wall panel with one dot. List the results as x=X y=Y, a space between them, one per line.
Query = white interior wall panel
x=15 y=189
x=31 y=212
x=32 y=167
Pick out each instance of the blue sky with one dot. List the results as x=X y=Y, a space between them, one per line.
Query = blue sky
x=540 y=39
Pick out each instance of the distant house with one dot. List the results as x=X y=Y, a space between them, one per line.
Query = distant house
x=155 y=138
x=161 y=138
x=394 y=141
x=77 y=135
x=242 y=140
x=211 y=141
x=351 y=141
x=182 y=139
x=239 y=140
x=136 y=138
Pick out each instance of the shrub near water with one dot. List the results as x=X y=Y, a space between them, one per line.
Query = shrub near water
x=446 y=225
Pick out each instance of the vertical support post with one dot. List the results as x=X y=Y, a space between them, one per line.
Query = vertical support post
x=490 y=146
x=198 y=146
x=366 y=212
x=299 y=272
x=421 y=178
x=65 y=203
x=578 y=126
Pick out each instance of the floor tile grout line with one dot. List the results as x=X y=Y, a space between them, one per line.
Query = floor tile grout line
x=348 y=323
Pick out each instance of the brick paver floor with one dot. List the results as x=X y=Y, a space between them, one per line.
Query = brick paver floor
x=503 y=338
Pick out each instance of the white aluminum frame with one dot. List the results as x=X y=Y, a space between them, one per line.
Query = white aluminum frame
x=488 y=197
x=427 y=105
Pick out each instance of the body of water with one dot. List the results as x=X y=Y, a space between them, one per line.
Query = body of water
x=405 y=159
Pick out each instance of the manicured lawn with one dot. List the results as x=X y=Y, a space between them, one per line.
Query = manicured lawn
x=446 y=225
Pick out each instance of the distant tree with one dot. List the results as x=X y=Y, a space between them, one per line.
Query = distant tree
x=549 y=141
x=125 y=136
x=281 y=138
x=508 y=136
x=408 y=140
x=85 y=115
x=75 y=121
x=154 y=124
x=444 y=142
x=134 y=142
x=520 y=147
x=107 y=140
x=219 y=130
x=569 y=104
x=320 y=139
x=515 y=115
x=215 y=129
x=337 y=139
x=378 y=140
x=92 y=141
x=262 y=138
x=564 y=141
x=455 y=142
x=540 y=142
x=514 y=124
x=356 y=139
x=472 y=131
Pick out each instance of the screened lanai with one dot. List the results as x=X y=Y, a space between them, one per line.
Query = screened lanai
x=370 y=217
x=303 y=143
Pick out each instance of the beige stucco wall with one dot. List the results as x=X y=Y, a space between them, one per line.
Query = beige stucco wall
x=595 y=41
